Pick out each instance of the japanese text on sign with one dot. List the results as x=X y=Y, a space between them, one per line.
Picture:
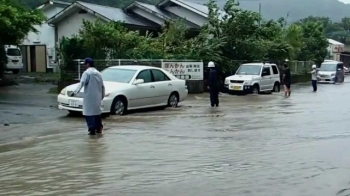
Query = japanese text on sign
x=185 y=70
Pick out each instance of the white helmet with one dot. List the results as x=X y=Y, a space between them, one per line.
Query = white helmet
x=211 y=64
x=313 y=66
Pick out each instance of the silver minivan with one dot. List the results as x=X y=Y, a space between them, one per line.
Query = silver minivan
x=331 y=72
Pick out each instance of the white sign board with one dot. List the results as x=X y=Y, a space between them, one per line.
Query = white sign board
x=185 y=70
x=338 y=48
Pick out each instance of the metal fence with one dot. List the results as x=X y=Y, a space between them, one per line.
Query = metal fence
x=300 y=67
x=296 y=67
x=75 y=68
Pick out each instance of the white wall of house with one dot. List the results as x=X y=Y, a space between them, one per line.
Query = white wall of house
x=45 y=35
x=335 y=50
x=188 y=15
x=72 y=24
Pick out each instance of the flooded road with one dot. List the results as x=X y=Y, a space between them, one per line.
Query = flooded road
x=250 y=145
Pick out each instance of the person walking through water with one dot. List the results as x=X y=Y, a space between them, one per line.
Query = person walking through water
x=94 y=92
x=213 y=85
x=287 y=80
x=314 y=77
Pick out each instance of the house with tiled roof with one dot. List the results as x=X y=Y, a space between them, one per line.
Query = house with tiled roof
x=38 y=49
x=66 y=19
x=136 y=16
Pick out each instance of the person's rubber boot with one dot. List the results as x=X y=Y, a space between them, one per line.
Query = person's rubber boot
x=100 y=130
x=92 y=132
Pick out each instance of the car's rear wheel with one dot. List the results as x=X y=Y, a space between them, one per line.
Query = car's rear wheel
x=15 y=71
x=119 y=106
x=173 y=100
x=276 y=87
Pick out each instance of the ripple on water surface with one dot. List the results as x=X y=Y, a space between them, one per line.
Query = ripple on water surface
x=281 y=147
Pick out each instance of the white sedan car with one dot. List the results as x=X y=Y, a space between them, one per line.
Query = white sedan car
x=130 y=87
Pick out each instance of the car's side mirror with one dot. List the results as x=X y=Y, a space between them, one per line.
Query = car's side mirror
x=139 y=81
x=264 y=73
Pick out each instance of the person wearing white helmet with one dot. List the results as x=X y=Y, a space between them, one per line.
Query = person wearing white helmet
x=314 y=77
x=213 y=85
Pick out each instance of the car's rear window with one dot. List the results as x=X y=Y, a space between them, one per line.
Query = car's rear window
x=13 y=52
x=118 y=75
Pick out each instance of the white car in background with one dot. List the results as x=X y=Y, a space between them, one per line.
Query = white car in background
x=254 y=78
x=14 y=59
x=130 y=87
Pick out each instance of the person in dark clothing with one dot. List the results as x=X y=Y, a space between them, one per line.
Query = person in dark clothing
x=213 y=85
x=287 y=80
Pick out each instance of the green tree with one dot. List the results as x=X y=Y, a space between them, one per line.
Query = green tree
x=240 y=30
x=315 y=43
x=116 y=42
x=293 y=35
x=15 y=23
x=247 y=37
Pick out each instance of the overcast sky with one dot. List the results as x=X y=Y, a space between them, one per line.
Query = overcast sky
x=344 y=1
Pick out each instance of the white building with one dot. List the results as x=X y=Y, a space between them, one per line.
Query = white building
x=136 y=16
x=45 y=35
x=335 y=48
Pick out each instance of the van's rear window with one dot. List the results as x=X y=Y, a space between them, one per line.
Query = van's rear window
x=13 y=52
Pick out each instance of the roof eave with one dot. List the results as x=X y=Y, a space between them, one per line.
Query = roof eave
x=131 y=5
x=184 y=5
x=57 y=18
x=151 y=11
x=162 y=3
x=48 y=3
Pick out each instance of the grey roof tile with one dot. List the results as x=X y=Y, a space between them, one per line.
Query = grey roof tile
x=165 y=13
x=60 y=2
x=112 y=13
x=202 y=8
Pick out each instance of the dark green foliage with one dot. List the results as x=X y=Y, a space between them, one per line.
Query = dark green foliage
x=16 y=22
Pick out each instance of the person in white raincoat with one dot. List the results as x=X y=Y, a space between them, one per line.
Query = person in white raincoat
x=94 y=92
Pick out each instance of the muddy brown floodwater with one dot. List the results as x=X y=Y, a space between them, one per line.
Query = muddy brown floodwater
x=250 y=146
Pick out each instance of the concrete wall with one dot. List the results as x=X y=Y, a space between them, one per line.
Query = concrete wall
x=72 y=24
x=297 y=78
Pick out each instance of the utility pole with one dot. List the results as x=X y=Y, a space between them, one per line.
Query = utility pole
x=259 y=9
x=260 y=14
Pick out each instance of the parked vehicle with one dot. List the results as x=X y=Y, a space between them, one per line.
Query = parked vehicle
x=331 y=72
x=14 y=59
x=254 y=78
x=130 y=87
